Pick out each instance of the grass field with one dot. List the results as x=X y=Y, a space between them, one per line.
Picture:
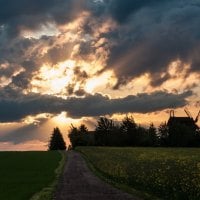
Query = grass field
x=24 y=173
x=166 y=173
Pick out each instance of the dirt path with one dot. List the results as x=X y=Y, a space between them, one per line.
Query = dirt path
x=78 y=183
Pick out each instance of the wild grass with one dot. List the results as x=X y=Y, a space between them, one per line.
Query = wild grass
x=167 y=173
x=22 y=174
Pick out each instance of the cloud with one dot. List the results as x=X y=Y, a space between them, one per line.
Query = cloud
x=59 y=53
x=121 y=10
x=147 y=37
x=15 y=109
x=97 y=105
x=151 y=35
x=23 y=134
x=131 y=38
x=31 y=14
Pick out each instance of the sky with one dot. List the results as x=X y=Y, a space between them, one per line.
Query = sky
x=66 y=62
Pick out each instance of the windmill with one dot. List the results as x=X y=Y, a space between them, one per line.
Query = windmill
x=188 y=121
x=190 y=116
x=188 y=113
x=197 y=117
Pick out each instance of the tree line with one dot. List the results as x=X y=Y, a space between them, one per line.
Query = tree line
x=128 y=133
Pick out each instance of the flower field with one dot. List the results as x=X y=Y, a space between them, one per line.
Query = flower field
x=167 y=173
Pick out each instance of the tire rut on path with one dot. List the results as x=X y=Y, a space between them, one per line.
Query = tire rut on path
x=78 y=183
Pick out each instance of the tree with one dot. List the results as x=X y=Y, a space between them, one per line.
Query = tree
x=73 y=136
x=57 y=142
x=83 y=129
x=103 y=131
x=141 y=137
x=80 y=136
x=128 y=125
x=163 y=133
x=130 y=130
x=105 y=125
x=152 y=136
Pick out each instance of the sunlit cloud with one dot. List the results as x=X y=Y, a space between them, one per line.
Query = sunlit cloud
x=49 y=29
x=62 y=119
x=104 y=80
x=36 y=119
x=53 y=79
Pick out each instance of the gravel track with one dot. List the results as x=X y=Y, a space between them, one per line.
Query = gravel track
x=79 y=183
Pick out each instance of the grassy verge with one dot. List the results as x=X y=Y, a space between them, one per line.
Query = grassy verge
x=47 y=192
x=22 y=174
x=149 y=173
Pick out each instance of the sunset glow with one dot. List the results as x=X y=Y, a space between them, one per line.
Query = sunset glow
x=62 y=119
x=69 y=62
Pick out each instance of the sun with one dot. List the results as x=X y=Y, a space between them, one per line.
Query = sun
x=62 y=119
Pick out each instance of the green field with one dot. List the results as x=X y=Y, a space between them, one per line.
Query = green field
x=167 y=173
x=24 y=173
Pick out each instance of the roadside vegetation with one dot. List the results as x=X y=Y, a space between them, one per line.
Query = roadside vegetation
x=22 y=174
x=167 y=173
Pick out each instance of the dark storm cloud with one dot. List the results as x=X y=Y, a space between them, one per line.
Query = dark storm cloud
x=15 y=51
x=21 y=80
x=31 y=14
x=122 y=10
x=15 y=109
x=97 y=105
x=15 y=56
x=8 y=70
x=152 y=34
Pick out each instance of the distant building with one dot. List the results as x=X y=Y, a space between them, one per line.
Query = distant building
x=187 y=121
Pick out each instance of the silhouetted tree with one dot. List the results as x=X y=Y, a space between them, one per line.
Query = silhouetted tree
x=128 y=125
x=80 y=136
x=142 y=137
x=104 y=125
x=57 y=142
x=103 y=131
x=83 y=129
x=152 y=135
x=163 y=134
x=85 y=138
x=129 y=129
x=73 y=136
x=128 y=133
x=116 y=138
